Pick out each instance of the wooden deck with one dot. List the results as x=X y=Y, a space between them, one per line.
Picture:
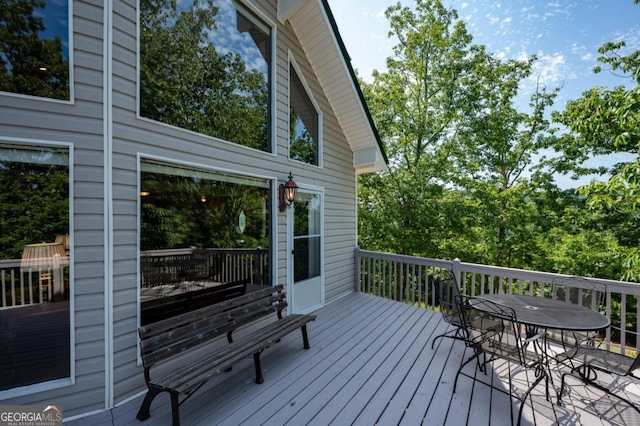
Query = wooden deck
x=371 y=363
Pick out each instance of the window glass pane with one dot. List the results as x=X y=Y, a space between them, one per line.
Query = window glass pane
x=303 y=120
x=306 y=258
x=200 y=231
x=34 y=48
x=307 y=214
x=205 y=66
x=34 y=265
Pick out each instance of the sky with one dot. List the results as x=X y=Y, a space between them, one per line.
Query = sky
x=564 y=34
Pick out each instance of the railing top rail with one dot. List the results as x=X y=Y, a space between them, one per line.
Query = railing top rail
x=440 y=263
x=10 y=263
x=190 y=250
x=513 y=273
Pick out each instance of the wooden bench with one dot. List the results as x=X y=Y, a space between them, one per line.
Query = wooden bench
x=164 y=340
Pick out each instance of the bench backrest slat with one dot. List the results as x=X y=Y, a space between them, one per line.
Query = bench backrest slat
x=167 y=338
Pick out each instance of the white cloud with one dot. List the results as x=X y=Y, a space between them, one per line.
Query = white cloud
x=492 y=19
x=378 y=16
x=552 y=70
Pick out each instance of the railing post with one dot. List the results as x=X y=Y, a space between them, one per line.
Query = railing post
x=457 y=269
x=357 y=270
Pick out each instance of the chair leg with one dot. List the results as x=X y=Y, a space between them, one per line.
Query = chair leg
x=433 y=342
x=528 y=392
x=474 y=356
x=452 y=334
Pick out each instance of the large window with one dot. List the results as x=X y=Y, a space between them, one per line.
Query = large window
x=205 y=67
x=34 y=48
x=201 y=232
x=303 y=122
x=34 y=265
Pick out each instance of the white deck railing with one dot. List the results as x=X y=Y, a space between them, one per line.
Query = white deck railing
x=27 y=286
x=410 y=279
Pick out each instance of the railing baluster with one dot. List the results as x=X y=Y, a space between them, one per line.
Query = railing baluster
x=623 y=324
x=4 y=288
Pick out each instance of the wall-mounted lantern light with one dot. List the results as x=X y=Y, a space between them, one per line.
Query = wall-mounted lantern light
x=287 y=193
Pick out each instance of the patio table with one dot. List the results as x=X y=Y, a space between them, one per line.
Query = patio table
x=537 y=312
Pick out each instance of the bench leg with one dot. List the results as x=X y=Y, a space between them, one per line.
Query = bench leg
x=256 y=363
x=305 y=338
x=175 y=407
x=143 y=412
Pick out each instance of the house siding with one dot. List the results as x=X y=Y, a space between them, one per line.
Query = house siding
x=82 y=124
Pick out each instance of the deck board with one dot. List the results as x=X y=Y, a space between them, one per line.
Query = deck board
x=370 y=363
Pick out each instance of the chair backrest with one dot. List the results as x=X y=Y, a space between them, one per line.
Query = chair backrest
x=581 y=291
x=446 y=287
x=494 y=328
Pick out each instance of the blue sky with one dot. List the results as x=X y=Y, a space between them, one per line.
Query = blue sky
x=564 y=34
x=56 y=21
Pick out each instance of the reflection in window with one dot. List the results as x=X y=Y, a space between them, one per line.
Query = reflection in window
x=34 y=265
x=204 y=236
x=34 y=48
x=205 y=66
x=303 y=122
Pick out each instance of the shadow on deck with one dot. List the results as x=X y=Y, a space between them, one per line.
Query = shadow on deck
x=370 y=363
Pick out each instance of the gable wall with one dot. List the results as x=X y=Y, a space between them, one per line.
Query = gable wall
x=134 y=136
x=98 y=145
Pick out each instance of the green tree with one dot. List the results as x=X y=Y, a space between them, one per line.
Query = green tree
x=457 y=145
x=302 y=146
x=34 y=204
x=30 y=64
x=417 y=106
x=499 y=144
x=606 y=121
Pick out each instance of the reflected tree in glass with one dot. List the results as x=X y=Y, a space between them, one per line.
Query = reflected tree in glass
x=30 y=62
x=205 y=68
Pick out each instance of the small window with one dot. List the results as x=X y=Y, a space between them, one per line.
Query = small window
x=303 y=122
x=34 y=49
x=35 y=337
x=205 y=67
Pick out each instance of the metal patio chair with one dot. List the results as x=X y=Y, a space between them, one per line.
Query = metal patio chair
x=581 y=291
x=495 y=334
x=446 y=288
x=589 y=360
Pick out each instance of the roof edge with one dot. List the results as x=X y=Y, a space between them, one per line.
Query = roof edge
x=354 y=78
